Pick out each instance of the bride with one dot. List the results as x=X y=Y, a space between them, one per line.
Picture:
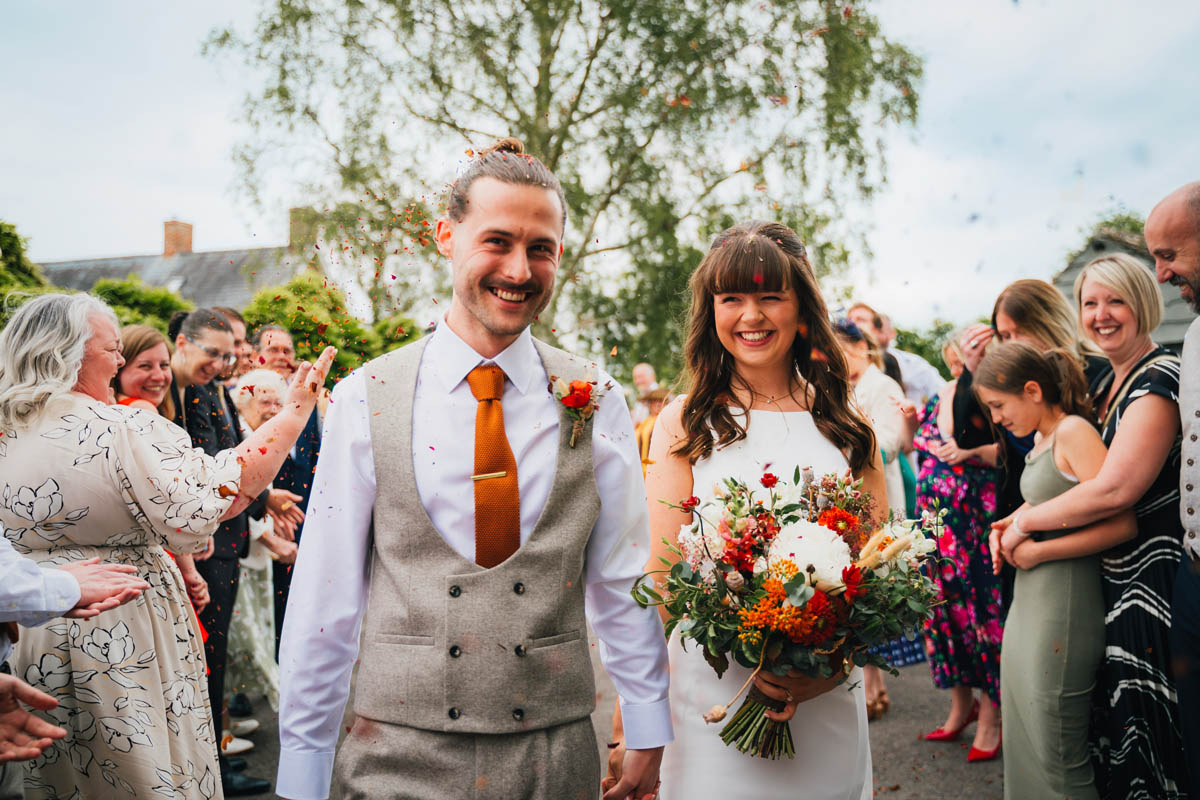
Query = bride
x=769 y=392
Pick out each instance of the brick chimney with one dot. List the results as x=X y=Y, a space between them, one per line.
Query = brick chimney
x=177 y=237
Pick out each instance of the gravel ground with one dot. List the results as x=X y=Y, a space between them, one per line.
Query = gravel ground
x=905 y=766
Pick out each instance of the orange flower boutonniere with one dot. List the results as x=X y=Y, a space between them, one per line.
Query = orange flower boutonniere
x=579 y=399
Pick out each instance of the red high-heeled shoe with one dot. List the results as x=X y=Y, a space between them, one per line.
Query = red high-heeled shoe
x=975 y=754
x=943 y=735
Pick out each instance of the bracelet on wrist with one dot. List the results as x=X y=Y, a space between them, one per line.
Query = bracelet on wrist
x=614 y=745
x=1015 y=527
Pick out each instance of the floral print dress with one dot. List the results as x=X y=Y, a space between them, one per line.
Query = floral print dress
x=88 y=480
x=962 y=640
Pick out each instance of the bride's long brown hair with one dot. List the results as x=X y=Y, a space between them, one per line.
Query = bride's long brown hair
x=765 y=257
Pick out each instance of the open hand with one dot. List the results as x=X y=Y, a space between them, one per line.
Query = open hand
x=102 y=586
x=949 y=452
x=284 y=511
x=22 y=735
x=308 y=383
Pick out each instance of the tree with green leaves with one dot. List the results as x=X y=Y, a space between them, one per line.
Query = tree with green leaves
x=136 y=303
x=927 y=343
x=16 y=270
x=315 y=314
x=665 y=121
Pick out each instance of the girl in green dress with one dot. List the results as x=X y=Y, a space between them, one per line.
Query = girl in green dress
x=1054 y=635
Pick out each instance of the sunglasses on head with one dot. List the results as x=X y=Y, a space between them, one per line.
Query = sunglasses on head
x=228 y=359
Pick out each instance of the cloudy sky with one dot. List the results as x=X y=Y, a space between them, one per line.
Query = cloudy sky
x=1036 y=118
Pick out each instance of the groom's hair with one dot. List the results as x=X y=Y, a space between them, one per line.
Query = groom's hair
x=505 y=161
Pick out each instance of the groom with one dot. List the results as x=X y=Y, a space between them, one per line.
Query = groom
x=454 y=505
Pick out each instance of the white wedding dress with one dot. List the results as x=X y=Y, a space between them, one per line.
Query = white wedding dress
x=833 y=751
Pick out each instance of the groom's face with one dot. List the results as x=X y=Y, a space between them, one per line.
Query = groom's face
x=504 y=253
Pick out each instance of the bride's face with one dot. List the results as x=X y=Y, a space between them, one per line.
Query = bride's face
x=757 y=329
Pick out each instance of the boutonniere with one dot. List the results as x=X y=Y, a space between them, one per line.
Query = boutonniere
x=579 y=399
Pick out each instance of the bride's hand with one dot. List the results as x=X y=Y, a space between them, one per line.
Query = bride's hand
x=616 y=760
x=794 y=689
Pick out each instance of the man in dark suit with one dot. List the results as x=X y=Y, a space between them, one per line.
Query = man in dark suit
x=274 y=349
x=212 y=422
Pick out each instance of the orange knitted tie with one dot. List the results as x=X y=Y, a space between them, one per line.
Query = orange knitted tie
x=497 y=498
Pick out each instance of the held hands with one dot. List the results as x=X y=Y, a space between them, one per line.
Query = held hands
x=632 y=774
x=287 y=516
x=102 y=586
x=308 y=382
x=950 y=453
x=22 y=735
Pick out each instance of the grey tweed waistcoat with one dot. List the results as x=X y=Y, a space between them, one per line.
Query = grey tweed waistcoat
x=449 y=645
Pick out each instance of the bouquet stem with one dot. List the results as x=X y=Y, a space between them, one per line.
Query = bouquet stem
x=751 y=731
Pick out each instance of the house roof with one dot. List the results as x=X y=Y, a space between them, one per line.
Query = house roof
x=211 y=278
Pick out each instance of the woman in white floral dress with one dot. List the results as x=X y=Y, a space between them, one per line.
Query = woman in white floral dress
x=82 y=479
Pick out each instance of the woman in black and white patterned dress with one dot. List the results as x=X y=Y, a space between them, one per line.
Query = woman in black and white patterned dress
x=1136 y=735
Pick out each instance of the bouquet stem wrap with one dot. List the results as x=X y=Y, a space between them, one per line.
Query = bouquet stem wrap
x=752 y=732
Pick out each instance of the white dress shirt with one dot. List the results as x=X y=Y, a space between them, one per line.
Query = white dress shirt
x=330 y=583
x=921 y=379
x=30 y=595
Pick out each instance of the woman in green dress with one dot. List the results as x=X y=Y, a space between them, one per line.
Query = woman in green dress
x=1054 y=635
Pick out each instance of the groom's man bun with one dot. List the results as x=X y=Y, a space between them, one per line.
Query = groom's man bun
x=507 y=162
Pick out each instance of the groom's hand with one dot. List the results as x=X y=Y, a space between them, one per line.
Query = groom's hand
x=639 y=776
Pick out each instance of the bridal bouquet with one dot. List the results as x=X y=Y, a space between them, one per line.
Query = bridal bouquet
x=788 y=577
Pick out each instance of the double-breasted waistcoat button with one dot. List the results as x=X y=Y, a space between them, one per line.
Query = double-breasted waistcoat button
x=454 y=713
x=455 y=590
x=519 y=587
x=1193 y=437
x=518 y=714
x=1191 y=462
x=455 y=651
x=519 y=650
x=1189 y=487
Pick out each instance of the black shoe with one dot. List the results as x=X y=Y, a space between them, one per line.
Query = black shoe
x=236 y=764
x=240 y=706
x=236 y=785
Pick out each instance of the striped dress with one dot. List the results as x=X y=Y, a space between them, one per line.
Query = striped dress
x=1136 y=736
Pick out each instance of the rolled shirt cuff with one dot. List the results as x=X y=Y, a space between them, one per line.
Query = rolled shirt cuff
x=647 y=725
x=304 y=775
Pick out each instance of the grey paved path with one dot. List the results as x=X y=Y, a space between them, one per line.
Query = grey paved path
x=905 y=767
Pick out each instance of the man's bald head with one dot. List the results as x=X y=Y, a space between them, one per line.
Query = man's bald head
x=1173 y=238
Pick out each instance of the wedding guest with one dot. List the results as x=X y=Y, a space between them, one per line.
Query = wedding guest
x=252 y=668
x=144 y=381
x=644 y=380
x=32 y=595
x=880 y=398
x=1054 y=632
x=962 y=639
x=920 y=379
x=204 y=351
x=1137 y=730
x=120 y=484
x=241 y=347
x=275 y=350
x=653 y=400
x=952 y=355
x=867 y=319
x=1173 y=236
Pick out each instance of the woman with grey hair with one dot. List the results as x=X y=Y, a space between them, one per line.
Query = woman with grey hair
x=83 y=479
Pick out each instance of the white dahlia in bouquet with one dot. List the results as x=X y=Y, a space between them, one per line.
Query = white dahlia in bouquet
x=790 y=577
